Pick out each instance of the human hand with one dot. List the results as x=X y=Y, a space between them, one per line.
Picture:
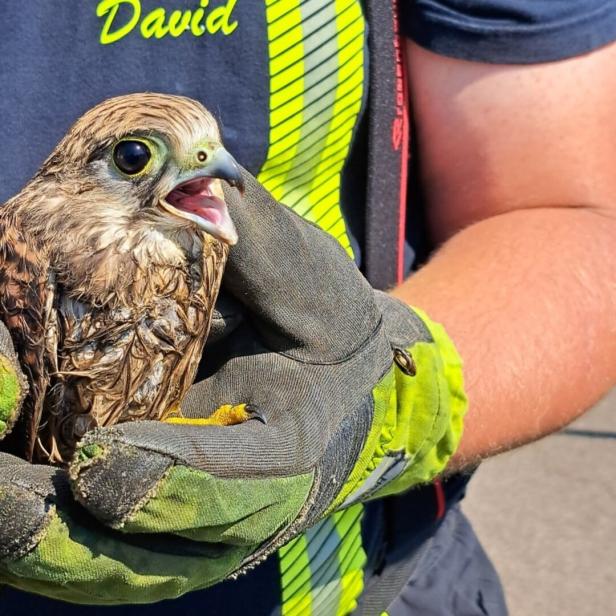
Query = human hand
x=50 y=545
x=324 y=364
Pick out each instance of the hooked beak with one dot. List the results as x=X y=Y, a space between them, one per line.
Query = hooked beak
x=198 y=197
x=220 y=164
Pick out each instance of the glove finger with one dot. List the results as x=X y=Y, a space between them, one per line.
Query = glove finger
x=28 y=495
x=157 y=478
x=322 y=308
x=50 y=546
x=13 y=386
x=226 y=318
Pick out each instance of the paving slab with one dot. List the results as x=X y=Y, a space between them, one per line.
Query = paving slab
x=546 y=515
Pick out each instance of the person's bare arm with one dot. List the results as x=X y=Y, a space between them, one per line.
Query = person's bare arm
x=519 y=169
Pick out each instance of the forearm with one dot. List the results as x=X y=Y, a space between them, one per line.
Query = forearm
x=529 y=298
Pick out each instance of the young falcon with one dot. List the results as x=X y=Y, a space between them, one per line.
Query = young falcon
x=110 y=263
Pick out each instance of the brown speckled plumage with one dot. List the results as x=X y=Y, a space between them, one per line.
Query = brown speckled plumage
x=108 y=300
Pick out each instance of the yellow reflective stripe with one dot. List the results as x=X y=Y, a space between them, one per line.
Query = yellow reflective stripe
x=286 y=83
x=351 y=558
x=286 y=52
x=322 y=570
x=316 y=69
x=295 y=578
x=326 y=193
x=316 y=50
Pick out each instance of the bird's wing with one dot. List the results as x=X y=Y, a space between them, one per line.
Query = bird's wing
x=132 y=362
x=26 y=308
x=127 y=364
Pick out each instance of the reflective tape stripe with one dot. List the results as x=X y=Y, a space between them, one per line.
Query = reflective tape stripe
x=316 y=91
x=352 y=558
x=316 y=67
x=295 y=578
x=322 y=570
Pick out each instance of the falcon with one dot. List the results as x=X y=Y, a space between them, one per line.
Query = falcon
x=111 y=259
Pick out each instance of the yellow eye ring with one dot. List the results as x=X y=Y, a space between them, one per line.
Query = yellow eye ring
x=132 y=156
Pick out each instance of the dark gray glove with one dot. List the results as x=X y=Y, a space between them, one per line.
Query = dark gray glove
x=324 y=362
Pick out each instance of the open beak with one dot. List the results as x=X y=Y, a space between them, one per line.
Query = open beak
x=199 y=197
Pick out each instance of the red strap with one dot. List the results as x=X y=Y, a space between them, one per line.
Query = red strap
x=400 y=135
x=387 y=149
x=440 y=499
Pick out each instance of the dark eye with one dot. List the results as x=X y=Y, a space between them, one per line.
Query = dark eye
x=131 y=157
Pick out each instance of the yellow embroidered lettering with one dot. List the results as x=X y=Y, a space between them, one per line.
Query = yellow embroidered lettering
x=196 y=27
x=178 y=23
x=219 y=19
x=111 y=7
x=153 y=24
x=158 y=24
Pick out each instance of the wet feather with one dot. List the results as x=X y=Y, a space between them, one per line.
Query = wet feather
x=107 y=299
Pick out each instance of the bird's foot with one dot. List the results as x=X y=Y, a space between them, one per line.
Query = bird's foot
x=225 y=415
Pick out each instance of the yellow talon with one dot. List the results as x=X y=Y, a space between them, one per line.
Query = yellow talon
x=225 y=415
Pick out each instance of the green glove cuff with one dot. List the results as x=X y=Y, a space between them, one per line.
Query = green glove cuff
x=12 y=390
x=417 y=422
x=78 y=564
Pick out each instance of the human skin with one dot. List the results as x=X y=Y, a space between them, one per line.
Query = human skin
x=518 y=165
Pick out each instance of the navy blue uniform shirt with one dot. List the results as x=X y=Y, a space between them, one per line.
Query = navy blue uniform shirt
x=53 y=67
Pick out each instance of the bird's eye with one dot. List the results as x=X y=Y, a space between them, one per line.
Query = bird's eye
x=131 y=156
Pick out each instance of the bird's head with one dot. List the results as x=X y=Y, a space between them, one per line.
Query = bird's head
x=144 y=161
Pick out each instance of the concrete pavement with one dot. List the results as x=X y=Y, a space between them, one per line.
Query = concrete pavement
x=546 y=514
